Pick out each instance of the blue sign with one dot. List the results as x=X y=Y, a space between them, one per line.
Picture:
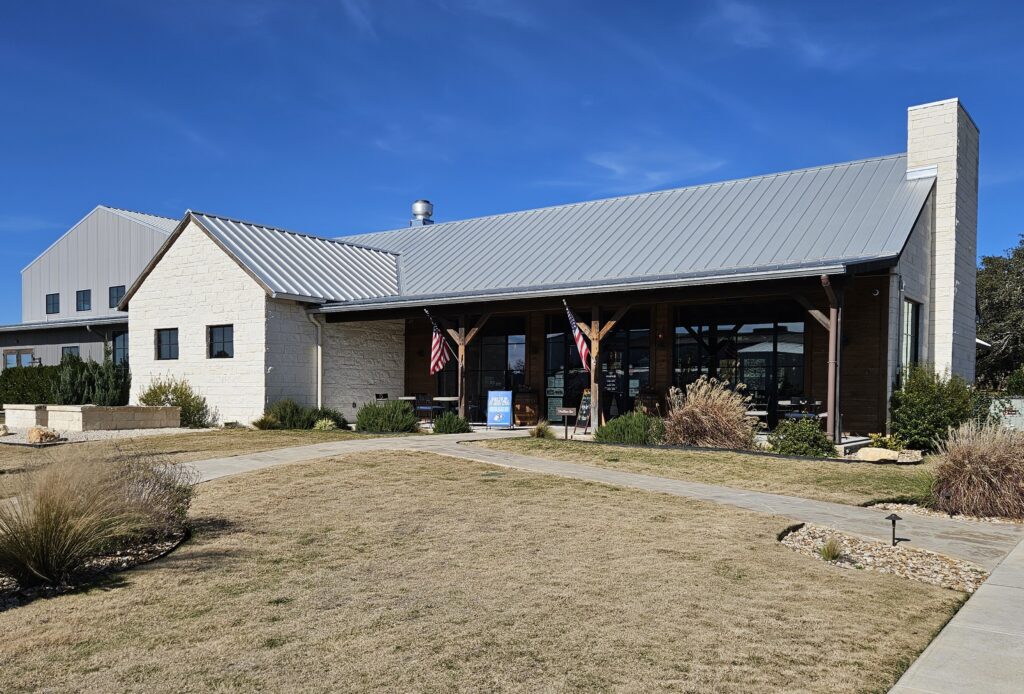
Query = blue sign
x=499 y=408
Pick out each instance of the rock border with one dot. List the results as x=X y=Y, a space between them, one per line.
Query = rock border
x=870 y=555
x=900 y=507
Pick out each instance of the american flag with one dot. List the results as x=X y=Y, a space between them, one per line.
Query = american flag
x=581 y=343
x=440 y=350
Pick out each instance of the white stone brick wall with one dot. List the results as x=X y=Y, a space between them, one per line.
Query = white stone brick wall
x=193 y=286
x=360 y=360
x=291 y=353
x=943 y=134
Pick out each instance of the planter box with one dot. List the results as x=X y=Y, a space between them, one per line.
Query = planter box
x=95 y=418
x=25 y=416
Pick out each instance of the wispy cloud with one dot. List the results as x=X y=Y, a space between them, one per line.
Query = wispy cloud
x=358 y=13
x=751 y=27
x=508 y=11
x=182 y=128
x=25 y=224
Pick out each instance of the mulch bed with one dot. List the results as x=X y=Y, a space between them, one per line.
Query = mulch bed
x=95 y=571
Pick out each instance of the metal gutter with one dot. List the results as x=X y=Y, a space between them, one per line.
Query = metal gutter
x=54 y=325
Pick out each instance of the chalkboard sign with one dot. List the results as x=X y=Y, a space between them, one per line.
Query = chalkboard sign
x=583 y=414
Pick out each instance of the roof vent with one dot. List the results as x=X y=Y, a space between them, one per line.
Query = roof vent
x=421 y=212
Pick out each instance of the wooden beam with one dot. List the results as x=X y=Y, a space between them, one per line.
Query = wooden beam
x=476 y=328
x=814 y=313
x=462 y=366
x=585 y=329
x=700 y=340
x=610 y=325
x=595 y=367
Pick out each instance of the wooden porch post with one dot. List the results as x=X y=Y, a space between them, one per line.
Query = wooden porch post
x=835 y=318
x=595 y=367
x=462 y=338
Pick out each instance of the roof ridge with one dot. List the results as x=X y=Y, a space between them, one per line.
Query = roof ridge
x=293 y=233
x=148 y=214
x=728 y=181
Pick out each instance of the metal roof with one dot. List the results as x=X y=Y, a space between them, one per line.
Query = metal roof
x=164 y=225
x=783 y=224
x=304 y=267
x=66 y=323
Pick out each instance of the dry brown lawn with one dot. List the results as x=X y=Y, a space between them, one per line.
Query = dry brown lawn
x=178 y=448
x=845 y=483
x=413 y=572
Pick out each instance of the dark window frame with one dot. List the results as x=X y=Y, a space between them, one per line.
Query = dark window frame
x=220 y=341
x=119 y=347
x=115 y=294
x=55 y=308
x=83 y=300
x=910 y=334
x=74 y=350
x=170 y=344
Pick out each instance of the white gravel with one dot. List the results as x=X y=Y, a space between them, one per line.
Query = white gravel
x=922 y=511
x=21 y=435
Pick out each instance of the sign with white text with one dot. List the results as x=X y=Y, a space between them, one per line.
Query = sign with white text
x=499 y=408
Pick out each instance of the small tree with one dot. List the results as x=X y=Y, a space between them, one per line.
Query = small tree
x=927 y=405
x=1001 y=311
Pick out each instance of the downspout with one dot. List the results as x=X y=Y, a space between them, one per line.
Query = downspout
x=319 y=359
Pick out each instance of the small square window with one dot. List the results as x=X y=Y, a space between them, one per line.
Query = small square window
x=71 y=351
x=220 y=341
x=83 y=300
x=116 y=294
x=52 y=304
x=167 y=343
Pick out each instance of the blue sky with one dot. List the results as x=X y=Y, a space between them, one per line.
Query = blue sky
x=331 y=117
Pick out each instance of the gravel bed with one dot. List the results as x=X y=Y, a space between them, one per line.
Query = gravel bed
x=922 y=511
x=20 y=436
x=916 y=564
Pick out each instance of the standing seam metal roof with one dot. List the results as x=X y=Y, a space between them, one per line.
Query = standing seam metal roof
x=831 y=215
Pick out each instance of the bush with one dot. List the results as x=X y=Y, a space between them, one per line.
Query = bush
x=927 y=405
x=801 y=437
x=68 y=512
x=88 y=383
x=832 y=549
x=542 y=430
x=891 y=443
x=174 y=392
x=709 y=414
x=291 y=415
x=28 y=385
x=267 y=421
x=636 y=428
x=390 y=417
x=1015 y=384
x=981 y=471
x=451 y=423
x=325 y=424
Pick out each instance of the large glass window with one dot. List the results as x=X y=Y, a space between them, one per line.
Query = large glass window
x=910 y=353
x=120 y=346
x=167 y=343
x=220 y=341
x=626 y=362
x=52 y=304
x=83 y=300
x=18 y=357
x=495 y=360
x=116 y=294
x=565 y=379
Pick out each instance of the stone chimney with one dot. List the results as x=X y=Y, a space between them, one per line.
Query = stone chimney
x=942 y=140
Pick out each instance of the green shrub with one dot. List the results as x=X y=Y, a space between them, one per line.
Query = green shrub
x=267 y=421
x=892 y=443
x=1015 y=384
x=801 y=437
x=28 y=385
x=325 y=424
x=981 y=471
x=291 y=415
x=67 y=512
x=542 y=430
x=175 y=392
x=927 y=405
x=636 y=428
x=832 y=549
x=451 y=423
x=389 y=417
x=89 y=383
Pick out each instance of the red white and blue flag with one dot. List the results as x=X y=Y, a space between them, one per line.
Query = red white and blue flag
x=440 y=350
x=577 y=336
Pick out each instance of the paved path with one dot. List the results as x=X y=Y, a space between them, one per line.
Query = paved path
x=980 y=651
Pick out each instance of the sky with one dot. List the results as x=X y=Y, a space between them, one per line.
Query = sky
x=332 y=116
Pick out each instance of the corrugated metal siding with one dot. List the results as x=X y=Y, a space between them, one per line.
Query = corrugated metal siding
x=106 y=249
x=308 y=266
x=835 y=214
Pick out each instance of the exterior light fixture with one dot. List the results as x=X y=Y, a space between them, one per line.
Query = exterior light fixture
x=893 y=517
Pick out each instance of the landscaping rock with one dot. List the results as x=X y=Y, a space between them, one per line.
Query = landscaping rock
x=920 y=510
x=4 y=431
x=911 y=457
x=877 y=455
x=41 y=435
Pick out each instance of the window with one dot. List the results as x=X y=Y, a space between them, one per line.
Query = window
x=116 y=294
x=83 y=300
x=167 y=343
x=220 y=341
x=910 y=353
x=120 y=346
x=71 y=351
x=18 y=357
x=52 y=304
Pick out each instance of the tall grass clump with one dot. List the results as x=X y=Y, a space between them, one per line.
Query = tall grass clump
x=710 y=413
x=176 y=392
x=635 y=428
x=389 y=417
x=832 y=549
x=801 y=437
x=981 y=471
x=927 y=405
x=542 y=430
x=288 y=414
x=64 y=514
x=451 y=423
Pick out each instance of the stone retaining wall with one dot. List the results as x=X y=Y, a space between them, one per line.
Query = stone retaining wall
x=91 y=417
x=25 y=416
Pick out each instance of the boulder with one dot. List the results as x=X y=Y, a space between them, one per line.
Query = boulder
x=4 y=431
x=870 y=454
x=911 y=456
x=41 y=435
